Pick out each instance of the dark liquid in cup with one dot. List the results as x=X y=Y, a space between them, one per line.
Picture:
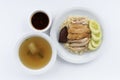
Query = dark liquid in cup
x=40 y=20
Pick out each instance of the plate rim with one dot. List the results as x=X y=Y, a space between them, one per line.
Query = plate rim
x=68 y=10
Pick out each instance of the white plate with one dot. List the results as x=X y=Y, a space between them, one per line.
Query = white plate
x=64 y=53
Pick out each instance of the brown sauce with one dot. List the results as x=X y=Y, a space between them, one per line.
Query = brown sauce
x=35 y=52
x=40 y=20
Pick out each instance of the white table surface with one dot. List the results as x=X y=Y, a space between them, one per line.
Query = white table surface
x=14 y=16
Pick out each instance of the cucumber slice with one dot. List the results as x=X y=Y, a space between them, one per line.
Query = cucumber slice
x=96 y=37
x=94 y=27
x=96 y=43
x=90 y=47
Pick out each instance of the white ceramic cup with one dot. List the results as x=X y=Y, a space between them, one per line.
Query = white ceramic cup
x=23 y=68
x=49 y=18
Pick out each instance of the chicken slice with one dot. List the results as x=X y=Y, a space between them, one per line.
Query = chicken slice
x=78 y=41
x=77 y=36
x=77 y=49
x=79 y=44
x=78 y=29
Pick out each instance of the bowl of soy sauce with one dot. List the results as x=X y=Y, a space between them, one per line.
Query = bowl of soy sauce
x=40 y=20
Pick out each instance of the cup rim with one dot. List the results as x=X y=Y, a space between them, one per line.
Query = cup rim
x=49 y=17
x=28 y=70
